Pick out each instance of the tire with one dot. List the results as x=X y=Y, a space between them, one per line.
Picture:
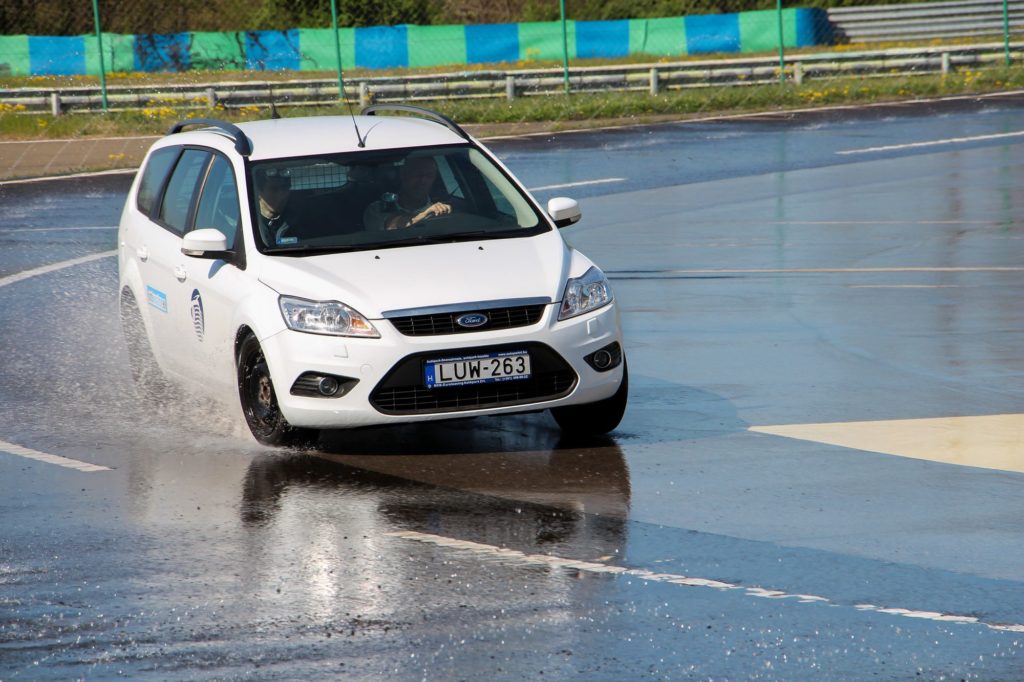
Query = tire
x=595 y=419
x=259 y=401
x=150 y=382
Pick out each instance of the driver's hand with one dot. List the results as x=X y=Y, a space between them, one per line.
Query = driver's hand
x=435 y=210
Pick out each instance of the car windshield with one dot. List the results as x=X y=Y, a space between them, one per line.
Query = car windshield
x=383 y=199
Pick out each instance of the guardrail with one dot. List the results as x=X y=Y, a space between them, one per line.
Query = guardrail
x=652 y=78
x=924 y=21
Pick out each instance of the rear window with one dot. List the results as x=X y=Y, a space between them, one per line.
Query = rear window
x=153 y=176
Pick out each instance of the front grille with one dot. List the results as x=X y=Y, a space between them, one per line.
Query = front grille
x=403 y=391
x=444 y=323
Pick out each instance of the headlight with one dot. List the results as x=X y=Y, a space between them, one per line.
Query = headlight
x=586 y=293
x=325 y=317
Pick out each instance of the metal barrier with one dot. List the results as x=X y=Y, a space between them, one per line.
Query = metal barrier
x=925 y=21
x=510 y=84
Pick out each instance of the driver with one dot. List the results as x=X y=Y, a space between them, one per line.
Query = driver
x=412 y=204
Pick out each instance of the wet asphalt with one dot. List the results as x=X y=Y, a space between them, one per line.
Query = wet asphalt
x=771 y=271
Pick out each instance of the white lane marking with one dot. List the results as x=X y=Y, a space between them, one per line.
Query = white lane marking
x=581 y=183
x=54 y=267
x=593 y=567
x=65 y=462
x=91 y=174
x=904 y=286
x=576 y=131
x=761 y=114
x=82 y=228
x=771 y=271
x=932 y=143
x=869 y=223
x=18 y=450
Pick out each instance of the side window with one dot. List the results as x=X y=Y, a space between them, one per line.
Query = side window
x=159 y=164
x=181 y=189
x=218 y=205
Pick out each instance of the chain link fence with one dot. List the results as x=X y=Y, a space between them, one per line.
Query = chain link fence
x=166 y=60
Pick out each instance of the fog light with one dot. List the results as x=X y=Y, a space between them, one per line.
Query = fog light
x=319 y=385
x=603 y=359
x=606 y=358
x=328 y=386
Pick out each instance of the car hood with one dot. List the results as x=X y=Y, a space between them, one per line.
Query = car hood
x=381 y=280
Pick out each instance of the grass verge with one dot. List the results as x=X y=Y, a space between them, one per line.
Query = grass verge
x=499 y=116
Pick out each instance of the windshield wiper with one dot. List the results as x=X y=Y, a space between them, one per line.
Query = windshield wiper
x=513 y=233
x=459 y=237
x=407 y=241
x=299 y=250
x=420 y=239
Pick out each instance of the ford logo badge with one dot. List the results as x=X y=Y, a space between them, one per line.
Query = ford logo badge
x=471 y=320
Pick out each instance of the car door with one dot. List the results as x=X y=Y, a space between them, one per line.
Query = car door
x=140 y=236
x=216 y=287
x=165 y=274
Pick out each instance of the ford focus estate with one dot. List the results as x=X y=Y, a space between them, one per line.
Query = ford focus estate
x=338 y=272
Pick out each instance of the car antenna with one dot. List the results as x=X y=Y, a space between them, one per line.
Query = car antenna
x=274 y=113
x=362 y=140
x=348 y=104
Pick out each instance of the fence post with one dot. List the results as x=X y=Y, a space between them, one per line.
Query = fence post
x=945 y=63
x=99 y=49
x=1006 y=31
x=565 y=47
x=510 y=88
x=337 y=48
x=55 y=107
x=655 y=82
x=364 y=94
x=798 y=73
x=211 y=97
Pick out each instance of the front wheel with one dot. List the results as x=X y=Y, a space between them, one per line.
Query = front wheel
x=259 y=402
x=595 y=419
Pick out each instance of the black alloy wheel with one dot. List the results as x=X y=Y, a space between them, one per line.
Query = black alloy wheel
x=259 y=401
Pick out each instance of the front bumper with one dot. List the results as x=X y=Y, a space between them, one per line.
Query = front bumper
x=381 y=376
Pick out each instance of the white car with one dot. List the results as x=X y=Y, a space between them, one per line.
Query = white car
x=337 y=272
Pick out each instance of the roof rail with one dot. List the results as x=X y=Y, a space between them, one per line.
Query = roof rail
x=242 y=144
x=418 y=111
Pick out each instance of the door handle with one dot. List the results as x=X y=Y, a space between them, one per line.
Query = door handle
x=143 y=253
x=180 y=273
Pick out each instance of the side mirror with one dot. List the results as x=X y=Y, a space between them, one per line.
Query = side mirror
x=564 y=211
x=205 y=243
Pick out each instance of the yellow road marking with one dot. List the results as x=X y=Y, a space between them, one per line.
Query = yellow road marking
x=989 y=442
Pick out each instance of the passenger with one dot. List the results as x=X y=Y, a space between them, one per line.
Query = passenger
x=276 y=215
x=413 y=203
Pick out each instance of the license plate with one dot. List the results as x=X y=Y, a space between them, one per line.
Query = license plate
x=477 y=369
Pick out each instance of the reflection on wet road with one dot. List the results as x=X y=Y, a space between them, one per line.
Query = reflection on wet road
x=818 y=476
